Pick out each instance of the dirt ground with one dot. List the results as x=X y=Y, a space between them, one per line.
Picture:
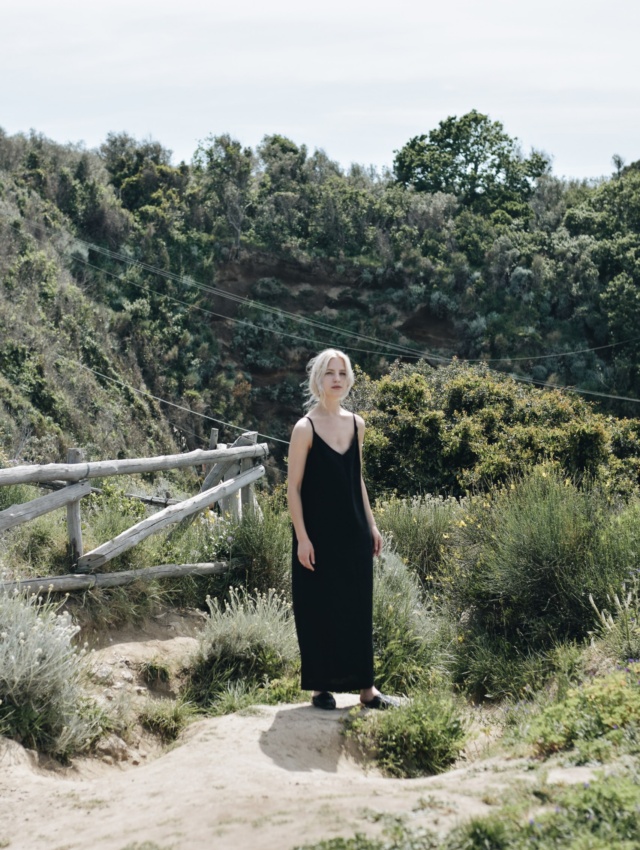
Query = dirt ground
x=271 y=777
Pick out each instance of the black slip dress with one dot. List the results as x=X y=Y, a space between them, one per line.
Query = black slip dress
x=333 y=604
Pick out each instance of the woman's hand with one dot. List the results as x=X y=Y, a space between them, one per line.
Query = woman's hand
x=377 y=541
x=306 y=555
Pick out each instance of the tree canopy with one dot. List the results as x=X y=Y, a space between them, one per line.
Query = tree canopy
x=472 y=158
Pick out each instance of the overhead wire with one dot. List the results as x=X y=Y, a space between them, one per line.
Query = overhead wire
x=165 y=401
x=408 y=353
x=394 y=349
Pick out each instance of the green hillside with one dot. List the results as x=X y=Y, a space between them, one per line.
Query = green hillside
x=209 y=284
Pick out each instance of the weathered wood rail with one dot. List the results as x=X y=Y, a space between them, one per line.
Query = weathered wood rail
x=230 y=475
x=87 y=581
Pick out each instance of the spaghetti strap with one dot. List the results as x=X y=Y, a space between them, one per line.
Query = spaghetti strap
x=355 y=426
x=311 y=420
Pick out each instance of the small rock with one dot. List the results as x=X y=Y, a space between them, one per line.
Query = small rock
x=127 y=676
x=114 y=748
x=102 y=674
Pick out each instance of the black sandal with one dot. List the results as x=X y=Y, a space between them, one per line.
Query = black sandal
x=381 y=702
x=324 y=700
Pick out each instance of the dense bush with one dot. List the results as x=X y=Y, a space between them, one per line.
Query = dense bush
x=605 y=710
x=530 y=556
x=248 y=638
x=422 y=737
x=42 y=702
x=464 y=428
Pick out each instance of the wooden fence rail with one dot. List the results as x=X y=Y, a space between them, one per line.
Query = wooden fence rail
x=152 y=524
x=229 y=478
x=17 y=514
x=28 y=474
x=79 y=581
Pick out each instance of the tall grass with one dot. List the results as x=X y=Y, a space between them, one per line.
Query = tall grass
x=412 y=641
x=261 y=549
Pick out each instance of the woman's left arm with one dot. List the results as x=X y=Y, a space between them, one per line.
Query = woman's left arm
x=375 y=534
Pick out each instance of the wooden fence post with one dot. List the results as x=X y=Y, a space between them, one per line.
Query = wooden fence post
x=74 y=527
x=235 y=503
x=248 y=501
x=213 y=444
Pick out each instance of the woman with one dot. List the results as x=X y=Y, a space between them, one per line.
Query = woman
x=334 y=540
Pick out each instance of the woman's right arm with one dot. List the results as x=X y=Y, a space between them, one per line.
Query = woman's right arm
x=299 y=446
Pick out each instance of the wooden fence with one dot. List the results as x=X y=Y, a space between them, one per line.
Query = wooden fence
x=230 y=475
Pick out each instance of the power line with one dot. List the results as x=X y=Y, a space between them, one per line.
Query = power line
x=398 y=350
x=244 y=322
x=164 y=400
x=266 y=308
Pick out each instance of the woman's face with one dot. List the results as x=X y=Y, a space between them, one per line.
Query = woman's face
x=334 y=380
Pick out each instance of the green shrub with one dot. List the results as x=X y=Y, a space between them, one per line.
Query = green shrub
x=490 y=667
x=601 y=815
x=248 y=638
x=42 y=702
x=421 y=530
x=420 y=738
x=463 y=427
x=411 y=642
x=606 y=708
x=262 y=547
x=529 y=556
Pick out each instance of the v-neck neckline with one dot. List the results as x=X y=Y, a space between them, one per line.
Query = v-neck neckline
x=328 y=445
x=342 y=454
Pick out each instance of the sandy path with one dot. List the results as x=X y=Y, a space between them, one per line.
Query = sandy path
x=274 y=779
x=270 y=779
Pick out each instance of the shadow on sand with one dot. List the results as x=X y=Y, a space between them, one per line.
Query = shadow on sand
x=305 y=738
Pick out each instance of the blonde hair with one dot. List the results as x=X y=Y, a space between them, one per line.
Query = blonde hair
x=316 y=368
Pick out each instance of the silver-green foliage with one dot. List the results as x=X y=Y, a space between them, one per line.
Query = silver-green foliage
x=421 y=528
x=249 y=637
x=42 y=702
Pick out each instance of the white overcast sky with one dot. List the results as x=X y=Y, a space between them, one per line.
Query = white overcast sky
x=357 y=79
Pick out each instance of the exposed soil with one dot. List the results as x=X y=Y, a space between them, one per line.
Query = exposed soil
x=272 y=777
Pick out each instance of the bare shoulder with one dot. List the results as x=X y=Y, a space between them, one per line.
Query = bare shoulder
x=302 y=431
x=360 y=424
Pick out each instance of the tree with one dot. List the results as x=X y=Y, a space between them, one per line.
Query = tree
x=225 y=171
x=474 y=159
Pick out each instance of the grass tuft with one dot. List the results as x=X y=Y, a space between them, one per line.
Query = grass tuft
x=247 y=638
x=421 y=738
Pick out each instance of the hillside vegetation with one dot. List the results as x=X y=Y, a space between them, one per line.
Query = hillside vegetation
x=116 y=266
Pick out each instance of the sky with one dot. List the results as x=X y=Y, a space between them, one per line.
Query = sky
x=356 y=79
